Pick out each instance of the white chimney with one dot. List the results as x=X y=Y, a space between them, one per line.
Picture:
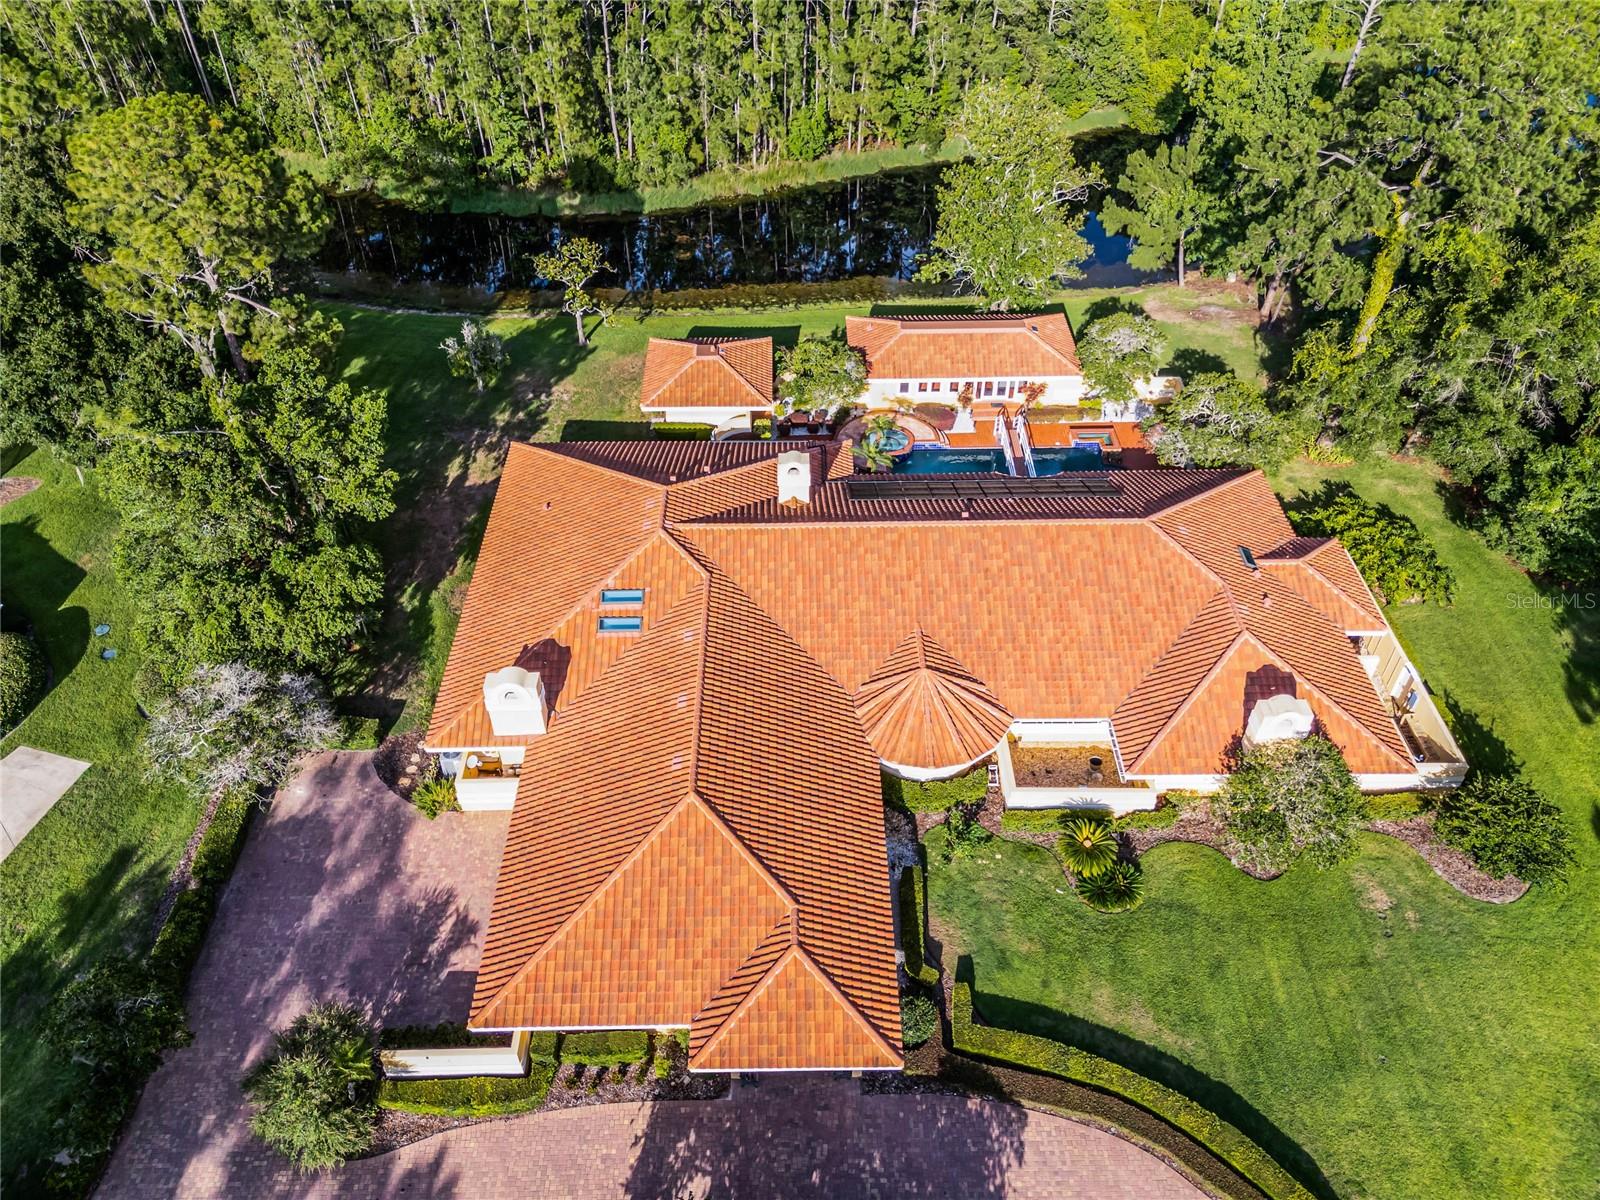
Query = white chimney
x=1278 y=718
x=515 y=700
x=794 y=477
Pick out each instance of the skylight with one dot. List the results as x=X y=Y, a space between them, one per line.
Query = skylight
x=621 y=595
x=621 y=624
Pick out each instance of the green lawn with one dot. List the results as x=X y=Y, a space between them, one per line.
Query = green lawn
x=446 y=441
x=1412 y=1042
x=86 y=880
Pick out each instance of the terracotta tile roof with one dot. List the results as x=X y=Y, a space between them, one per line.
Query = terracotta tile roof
x=707 y=373
x=922 y=708
x=1322 y=571
x=1002 y=346
x=684 y=853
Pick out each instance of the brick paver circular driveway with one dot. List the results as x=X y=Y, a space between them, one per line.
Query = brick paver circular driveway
x=344 y=892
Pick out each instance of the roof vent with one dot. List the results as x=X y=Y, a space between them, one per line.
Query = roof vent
x=794 y=477
x=1278 y=718
x=514 y=699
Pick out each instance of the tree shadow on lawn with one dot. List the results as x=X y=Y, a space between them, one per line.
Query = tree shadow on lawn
x=1576 y=611
x=448 y=444
x=1164 y=1068
x=1484 y=749
x=38 y=579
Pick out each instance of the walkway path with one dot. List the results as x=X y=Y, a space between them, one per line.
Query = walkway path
x=31 y=781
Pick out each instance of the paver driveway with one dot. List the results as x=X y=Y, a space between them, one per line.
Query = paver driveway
x=344 y=892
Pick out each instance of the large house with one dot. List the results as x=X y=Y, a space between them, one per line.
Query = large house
x=684 y=665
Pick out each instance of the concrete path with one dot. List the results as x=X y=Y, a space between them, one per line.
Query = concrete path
x=31 y=781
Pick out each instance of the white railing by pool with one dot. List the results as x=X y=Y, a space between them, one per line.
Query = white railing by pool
x=1020 y=424
x=1002 y=441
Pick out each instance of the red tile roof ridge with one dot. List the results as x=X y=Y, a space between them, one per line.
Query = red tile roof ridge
x=952 y=700
x=1222 y=485
x=714 y=1013
x=797 y=953
x=1366 y=600
x=1189 y=700
x=594 y=897
x=717 y=344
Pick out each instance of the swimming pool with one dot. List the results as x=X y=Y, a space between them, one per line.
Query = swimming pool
x=951 y=462
x=1056 y=459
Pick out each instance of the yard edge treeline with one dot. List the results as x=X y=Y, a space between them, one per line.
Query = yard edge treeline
x=434 y=98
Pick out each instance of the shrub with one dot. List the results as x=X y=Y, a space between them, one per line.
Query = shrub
x=1389 y=549
x=315 y=1095
x=359 y=733
x=762 y=428
x=913 y=935
x=1290 y=798
x=605 y=1048
x=234 y=726
x=1393 y=806
x=469 y=1096
x=1116 y=890
x=680 y=431
x=1163 y=817
x=435 y=796
x=1116 y=351
x=183 y=933
x=936 y=795
x=964 y=837
x=117 y=1018
x=919 y=1019
x=1089 y=847
x=820 y=373
x=1507 y=827
x=1067 y=1062
x=1220 y=420
x=543 y=1047
x=22 y=676
x=1035 y=820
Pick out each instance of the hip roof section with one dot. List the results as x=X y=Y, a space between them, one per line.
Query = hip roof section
x=981 y=346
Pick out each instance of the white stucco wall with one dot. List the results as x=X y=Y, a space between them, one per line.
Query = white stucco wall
x=1059 y=389
x=701 y=416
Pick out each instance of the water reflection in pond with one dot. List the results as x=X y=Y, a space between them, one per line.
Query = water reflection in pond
x=873 y=226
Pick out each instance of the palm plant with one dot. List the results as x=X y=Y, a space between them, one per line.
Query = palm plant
x=1116 y=890
x=1089 y=847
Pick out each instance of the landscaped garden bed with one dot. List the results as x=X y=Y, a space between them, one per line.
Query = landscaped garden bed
x=1065 y=766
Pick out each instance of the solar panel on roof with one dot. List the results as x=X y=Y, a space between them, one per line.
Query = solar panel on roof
x=979 y=487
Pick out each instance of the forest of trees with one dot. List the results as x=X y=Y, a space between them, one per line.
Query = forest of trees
x=604 y=94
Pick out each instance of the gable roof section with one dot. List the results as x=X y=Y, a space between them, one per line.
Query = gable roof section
x=518 y=595
x=922 y=708
x=1322 y=571
x=707 y=373
x=966 y=346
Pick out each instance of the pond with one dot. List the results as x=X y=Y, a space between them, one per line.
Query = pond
x=875 y=226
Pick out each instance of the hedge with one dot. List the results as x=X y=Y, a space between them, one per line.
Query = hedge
x=178 y=944
x=936 y=795
x=444 y=1034
x=1034 y=820
x=22 y=677
x=913 y=935
x=542 y=1047
x=1164 y=817
x=1068 y=1062
x=605 y=1048
x=1394 y=806
x=680 y=431
x=469 y=1096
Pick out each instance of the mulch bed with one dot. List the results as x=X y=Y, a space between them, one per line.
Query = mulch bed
x=14 y=486
x=402 y=765
x=1449 y=864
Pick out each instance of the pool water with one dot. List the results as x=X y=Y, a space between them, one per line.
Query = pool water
x=1057 y=459
x=951 y=462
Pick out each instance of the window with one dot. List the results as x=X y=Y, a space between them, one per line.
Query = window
x=905 y=387
x=621 y=624
x=955 y=385
x=935 y=385
x=988 y=388
x=922 y=387
x=621 y=595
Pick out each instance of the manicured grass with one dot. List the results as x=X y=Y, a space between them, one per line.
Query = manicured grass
x=447 y=441
x=1410 y=1041
x=85 y=881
